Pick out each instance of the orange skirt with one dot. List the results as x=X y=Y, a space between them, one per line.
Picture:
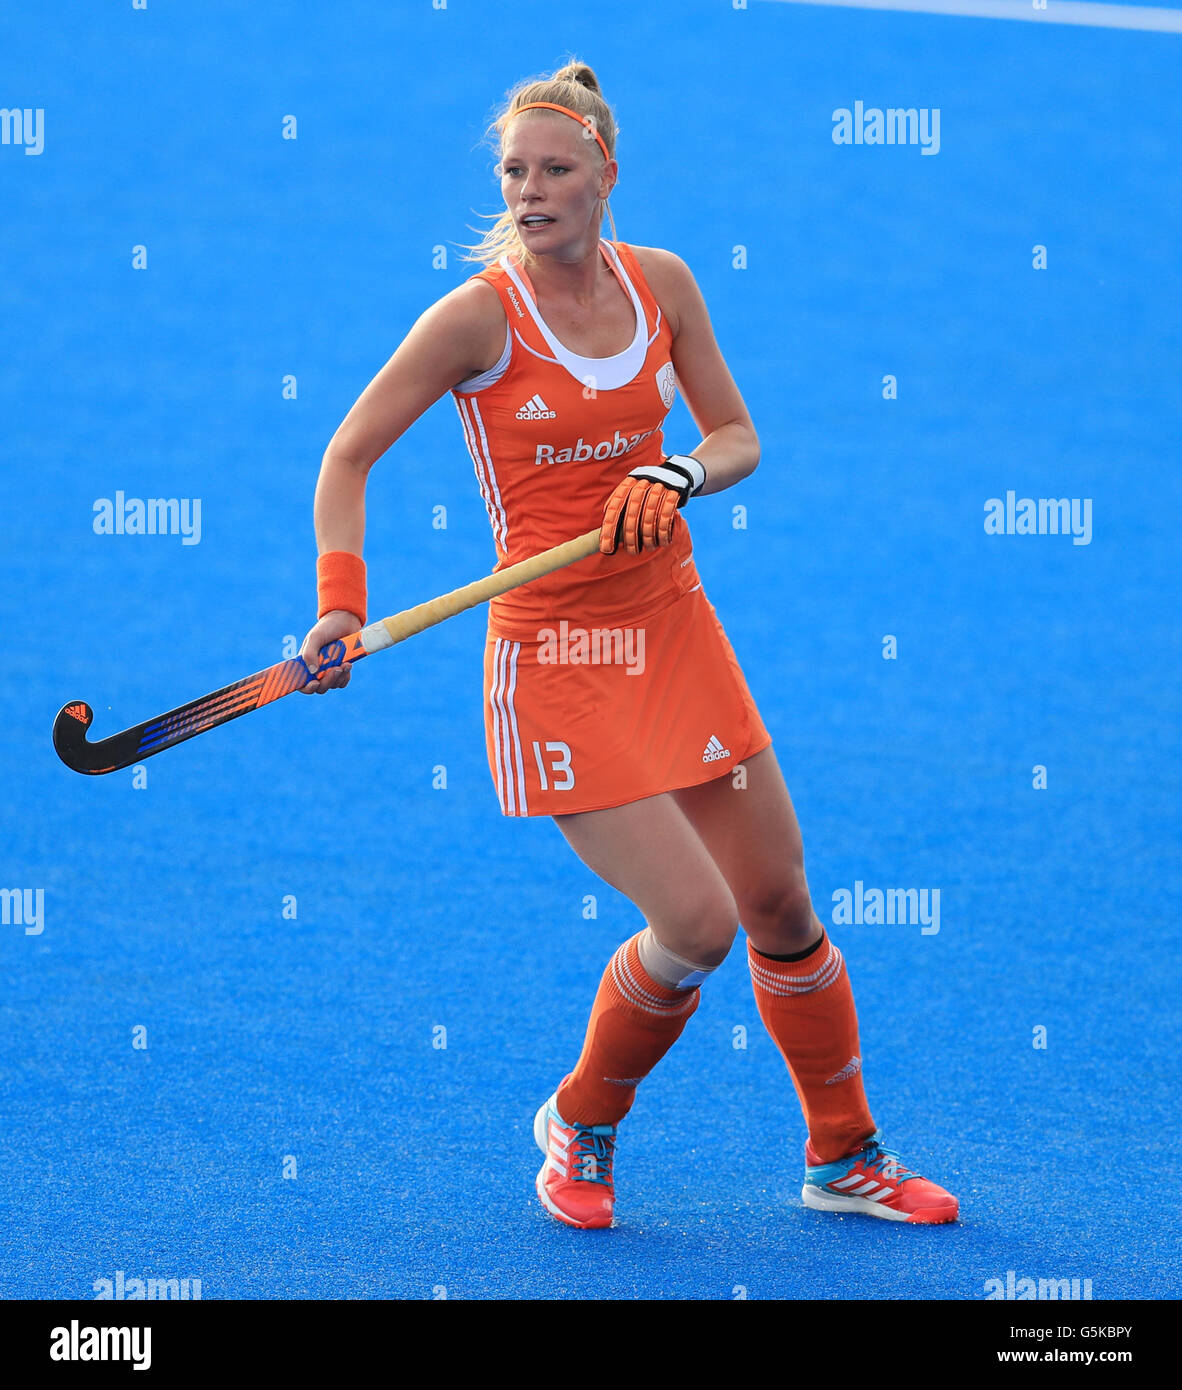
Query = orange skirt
x=582 y=719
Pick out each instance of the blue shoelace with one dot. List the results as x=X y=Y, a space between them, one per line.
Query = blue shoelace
x=887 y=1162
x=591 y=1154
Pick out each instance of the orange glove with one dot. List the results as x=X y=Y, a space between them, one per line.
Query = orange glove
x=643 y=508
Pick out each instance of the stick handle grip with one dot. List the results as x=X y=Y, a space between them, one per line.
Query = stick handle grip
x=400 y=626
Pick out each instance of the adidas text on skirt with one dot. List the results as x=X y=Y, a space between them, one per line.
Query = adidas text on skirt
x=585 y=718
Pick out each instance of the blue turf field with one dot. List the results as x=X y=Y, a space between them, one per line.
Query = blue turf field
x=420 y=908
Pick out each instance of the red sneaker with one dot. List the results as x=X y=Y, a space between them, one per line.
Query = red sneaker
x=873 y=1181
x=575 y=1182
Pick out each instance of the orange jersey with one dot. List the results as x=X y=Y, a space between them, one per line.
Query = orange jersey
x=551 y=433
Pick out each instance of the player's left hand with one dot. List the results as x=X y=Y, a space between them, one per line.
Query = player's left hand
x=332 y=626
x=642 y=511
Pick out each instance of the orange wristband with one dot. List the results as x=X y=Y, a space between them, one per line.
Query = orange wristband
x=340 y=583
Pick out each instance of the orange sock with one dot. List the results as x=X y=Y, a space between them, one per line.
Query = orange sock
x=634 y=1022
x=808 y=1008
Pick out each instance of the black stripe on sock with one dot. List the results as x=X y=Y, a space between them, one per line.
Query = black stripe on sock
x=798 y=955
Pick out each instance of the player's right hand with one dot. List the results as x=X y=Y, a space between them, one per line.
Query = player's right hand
x=336 y=624
x=641 y=512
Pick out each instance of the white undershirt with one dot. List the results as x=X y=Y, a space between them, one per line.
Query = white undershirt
x=608 y=373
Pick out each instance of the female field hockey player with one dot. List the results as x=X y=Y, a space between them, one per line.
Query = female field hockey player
x=563 y=356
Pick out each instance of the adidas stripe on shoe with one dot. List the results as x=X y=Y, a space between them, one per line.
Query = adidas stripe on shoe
x=874 y=1182
x=575 y=1182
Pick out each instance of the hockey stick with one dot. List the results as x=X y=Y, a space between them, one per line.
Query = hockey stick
x=135 y=744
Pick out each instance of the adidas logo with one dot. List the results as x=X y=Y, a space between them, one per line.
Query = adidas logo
x=714 y=751
x=78 y=711
x=851 y=1068
x=536 y=409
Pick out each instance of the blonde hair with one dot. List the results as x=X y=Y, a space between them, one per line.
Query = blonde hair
x=574 y=86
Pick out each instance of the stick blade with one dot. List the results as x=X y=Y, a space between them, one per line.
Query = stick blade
x=69 y=737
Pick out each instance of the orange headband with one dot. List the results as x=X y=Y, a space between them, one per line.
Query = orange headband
x=587 y=122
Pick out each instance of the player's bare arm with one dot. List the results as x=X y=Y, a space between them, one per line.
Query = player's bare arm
x=729 y=450
x=460 y=334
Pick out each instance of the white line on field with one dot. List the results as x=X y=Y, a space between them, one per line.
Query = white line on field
x=1153 y=18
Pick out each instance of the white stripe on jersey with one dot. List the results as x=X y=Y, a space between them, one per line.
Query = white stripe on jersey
x=486 y=476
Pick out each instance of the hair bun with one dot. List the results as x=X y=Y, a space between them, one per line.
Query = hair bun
x=580 y=73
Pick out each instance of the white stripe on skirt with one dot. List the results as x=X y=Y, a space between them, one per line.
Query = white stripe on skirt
x=510 y=769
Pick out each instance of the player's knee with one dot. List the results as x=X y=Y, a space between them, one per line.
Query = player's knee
x=705 y=932
x=778 y=915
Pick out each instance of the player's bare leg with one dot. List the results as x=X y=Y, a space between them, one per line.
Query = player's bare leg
x=650 y=853
x=804 y=997
x=749 y=827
